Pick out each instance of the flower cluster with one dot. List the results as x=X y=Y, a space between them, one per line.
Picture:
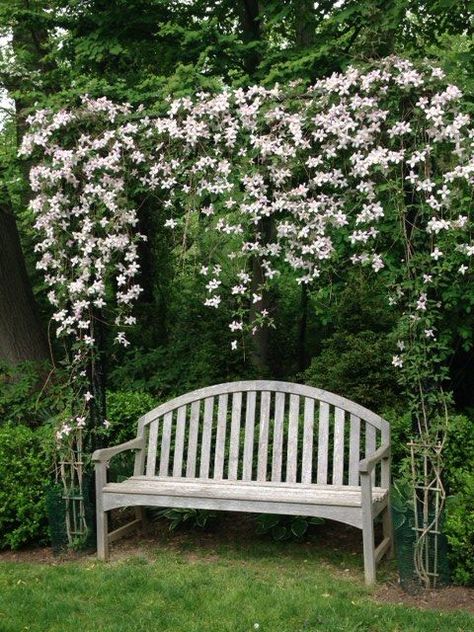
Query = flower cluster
x=365 y=167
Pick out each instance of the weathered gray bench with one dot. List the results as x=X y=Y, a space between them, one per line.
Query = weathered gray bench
x=257 y=446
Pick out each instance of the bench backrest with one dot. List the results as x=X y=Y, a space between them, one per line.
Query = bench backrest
x=261 y=431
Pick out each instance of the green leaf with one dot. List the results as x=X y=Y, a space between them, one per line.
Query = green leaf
x=399 y=520
x=299 y=526
x=279 y=533
x=116 y=49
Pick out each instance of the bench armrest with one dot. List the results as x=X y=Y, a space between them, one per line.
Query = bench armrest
x=105 y=454
x=368 y=464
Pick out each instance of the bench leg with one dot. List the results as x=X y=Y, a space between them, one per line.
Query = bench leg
x=101 y=515
x=141 y=515
x=102 y=535
x=369 y=550
x=368 y=528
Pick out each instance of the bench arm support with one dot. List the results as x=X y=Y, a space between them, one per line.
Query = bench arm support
x=367 y=465
x=105 y=454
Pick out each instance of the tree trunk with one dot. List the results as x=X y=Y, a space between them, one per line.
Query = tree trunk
x=21 y=332
x=305 y=36
x=305 y=23
x=251 y=34
x=303 y=329
x=22 y=336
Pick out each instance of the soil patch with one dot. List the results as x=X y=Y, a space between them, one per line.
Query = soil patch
x=445 y=599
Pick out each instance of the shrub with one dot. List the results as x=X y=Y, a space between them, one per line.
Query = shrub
x=21 y=399
x=357 y=366
x=459 y=529
x=26 y=466
x=401 y=431
x=123 y=411
x=458 y=454
x=124 y=408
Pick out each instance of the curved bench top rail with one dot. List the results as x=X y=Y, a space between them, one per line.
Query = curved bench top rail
x=266 y=385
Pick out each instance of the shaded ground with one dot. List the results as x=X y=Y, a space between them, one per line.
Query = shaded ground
x=445 y=599
x=333 y=546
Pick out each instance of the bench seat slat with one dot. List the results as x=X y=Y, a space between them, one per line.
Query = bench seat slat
x=198 y=488
x=270 y=484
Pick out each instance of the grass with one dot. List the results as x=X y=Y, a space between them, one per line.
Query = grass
x=233 y=588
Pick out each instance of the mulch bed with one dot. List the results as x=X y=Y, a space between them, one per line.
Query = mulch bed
x=445 y=599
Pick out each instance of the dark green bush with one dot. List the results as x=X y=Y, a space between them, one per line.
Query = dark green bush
x=123 y=411
x=401 y=431
x=22 y=397
x=459 y=529
x=458 y=451
x=26 y=467
x=357 y=366
x=458 y=477
x=124 y=408
x=196 y=351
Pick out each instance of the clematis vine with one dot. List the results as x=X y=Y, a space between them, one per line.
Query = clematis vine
x=371 y=167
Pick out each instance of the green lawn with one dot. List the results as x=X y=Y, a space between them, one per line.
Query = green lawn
x=236 y=588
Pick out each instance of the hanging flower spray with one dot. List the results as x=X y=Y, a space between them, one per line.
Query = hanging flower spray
x=370 y=167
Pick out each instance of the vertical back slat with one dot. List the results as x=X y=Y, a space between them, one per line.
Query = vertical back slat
x=277 y=455
x=192 y=440
x=323 y=439
x=220 y=437
x=292 y=454
x=307 y=463
x=152 y=446
x=370 y=443
x=206 y=437
x=165 y=444
x=179 y=442
x=354 y=450
x=263 y=437
x=338 y=454
x=235 y=436
x=249 y=435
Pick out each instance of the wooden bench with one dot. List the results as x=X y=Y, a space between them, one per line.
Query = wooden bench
x=261 y=447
